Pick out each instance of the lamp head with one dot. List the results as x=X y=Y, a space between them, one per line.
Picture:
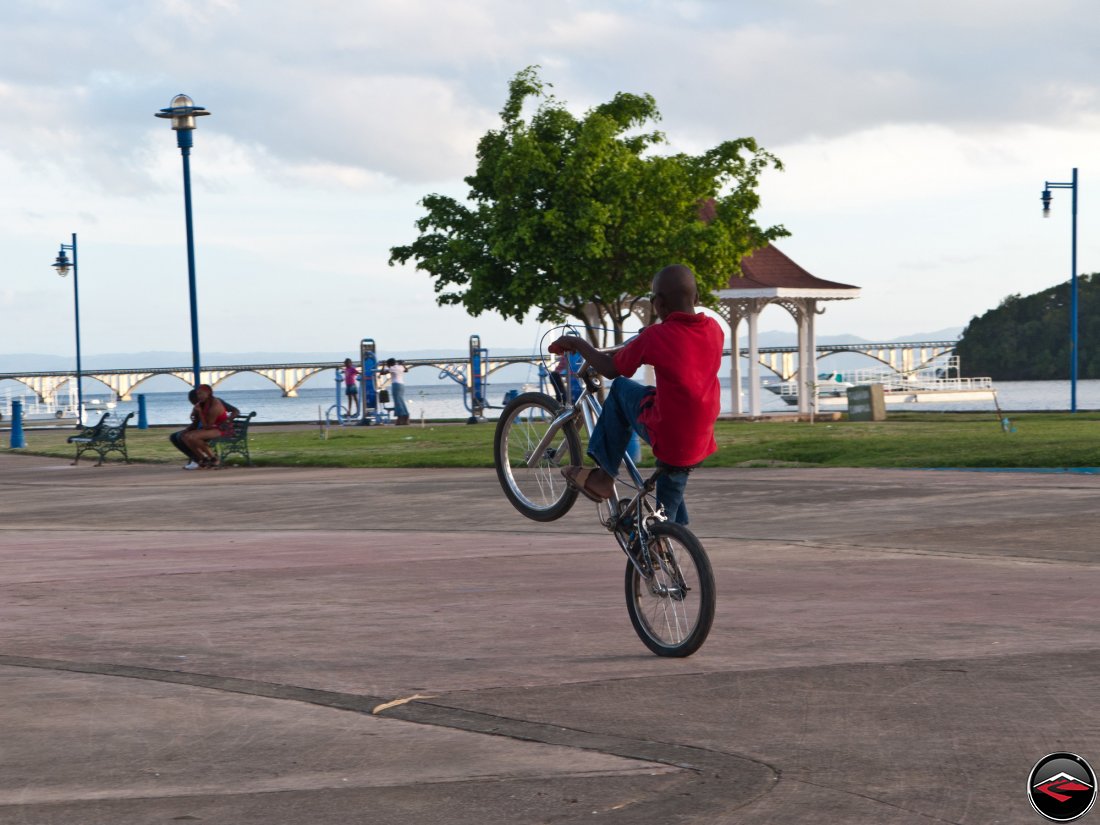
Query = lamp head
x=1046 y=198
x=182 y=111
x=62 y=264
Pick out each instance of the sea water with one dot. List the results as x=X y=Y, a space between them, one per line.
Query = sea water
x=446 y=401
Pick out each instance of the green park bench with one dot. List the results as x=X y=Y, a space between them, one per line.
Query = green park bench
x=109 y=435
x=235 y=444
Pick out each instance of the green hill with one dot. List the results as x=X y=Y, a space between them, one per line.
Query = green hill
x=1028 y=338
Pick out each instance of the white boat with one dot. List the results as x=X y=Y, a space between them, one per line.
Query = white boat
x=939 y=383
x=829 y=385
x=60 y=411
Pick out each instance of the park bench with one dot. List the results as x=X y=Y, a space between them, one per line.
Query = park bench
x=235 y=444
x=109 y=435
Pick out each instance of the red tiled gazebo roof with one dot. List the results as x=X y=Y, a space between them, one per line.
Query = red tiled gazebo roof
x=768 y=269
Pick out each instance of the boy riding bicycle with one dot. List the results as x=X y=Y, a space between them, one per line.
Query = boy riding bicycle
x=676 y=418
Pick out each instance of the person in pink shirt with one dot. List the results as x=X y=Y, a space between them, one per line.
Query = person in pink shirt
x=351 y=387
x=676 y=417
x=213 y=419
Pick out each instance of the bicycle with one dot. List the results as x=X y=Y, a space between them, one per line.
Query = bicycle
x=670 y=591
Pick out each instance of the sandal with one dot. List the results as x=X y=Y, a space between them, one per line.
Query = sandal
x=578 y=477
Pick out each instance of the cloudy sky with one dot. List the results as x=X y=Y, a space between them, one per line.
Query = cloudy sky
x=916 y=139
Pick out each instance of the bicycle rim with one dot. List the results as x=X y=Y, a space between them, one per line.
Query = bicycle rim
x=672 y=611
x=538 y=491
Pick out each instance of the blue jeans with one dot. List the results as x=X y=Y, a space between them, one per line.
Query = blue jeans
x=609 y=440
x=399 y=407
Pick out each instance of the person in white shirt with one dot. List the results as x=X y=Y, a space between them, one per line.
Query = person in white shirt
x=396 y=370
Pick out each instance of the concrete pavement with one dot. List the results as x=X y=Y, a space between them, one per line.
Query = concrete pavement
x=342 y=646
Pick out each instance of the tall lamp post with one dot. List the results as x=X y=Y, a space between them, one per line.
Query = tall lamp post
x=62 y=266
x=182 y=111
x=1047 y=198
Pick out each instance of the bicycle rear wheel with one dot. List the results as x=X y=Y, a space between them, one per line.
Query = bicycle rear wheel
x=538 y=491
x=673 y=610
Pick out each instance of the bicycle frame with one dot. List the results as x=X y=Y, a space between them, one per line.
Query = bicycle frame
x=587 y=406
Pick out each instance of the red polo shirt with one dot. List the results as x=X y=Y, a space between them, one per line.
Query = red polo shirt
x=685 y=351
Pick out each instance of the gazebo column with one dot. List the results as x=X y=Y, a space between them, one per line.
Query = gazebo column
x=811 y=344
x=754 y=359
x=733 y=312
x=737 y=405
x=807 y=376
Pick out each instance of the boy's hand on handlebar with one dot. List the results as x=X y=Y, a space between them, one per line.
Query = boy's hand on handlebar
x=602 y=362
x=567 y=343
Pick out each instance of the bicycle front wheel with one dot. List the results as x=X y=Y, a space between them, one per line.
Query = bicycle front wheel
x=672 y=611
x=535 y=487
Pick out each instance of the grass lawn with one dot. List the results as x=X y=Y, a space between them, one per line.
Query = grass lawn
x=1041 y=440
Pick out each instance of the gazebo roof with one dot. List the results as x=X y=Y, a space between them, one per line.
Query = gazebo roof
x=768 y=273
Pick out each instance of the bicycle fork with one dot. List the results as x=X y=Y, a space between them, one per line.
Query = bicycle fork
x=626 y=523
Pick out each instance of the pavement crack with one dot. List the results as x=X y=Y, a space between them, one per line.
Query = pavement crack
x=713 y=780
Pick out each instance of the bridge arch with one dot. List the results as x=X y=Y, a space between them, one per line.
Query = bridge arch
x=289 y=379
x=903 y=357
x=35 y=386
x=186 y=379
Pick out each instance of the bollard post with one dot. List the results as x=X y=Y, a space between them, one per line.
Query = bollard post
x=17 y=439
x=339 y=400
x=143 y=419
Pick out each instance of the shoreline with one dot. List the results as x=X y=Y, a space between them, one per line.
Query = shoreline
x=774 y=416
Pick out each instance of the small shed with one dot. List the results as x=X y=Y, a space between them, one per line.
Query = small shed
x=770 y=277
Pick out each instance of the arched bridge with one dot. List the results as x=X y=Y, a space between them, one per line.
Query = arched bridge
x=783 y=361
x=287 y=377
x=904 y=357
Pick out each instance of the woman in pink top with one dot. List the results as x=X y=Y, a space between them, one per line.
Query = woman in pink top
x=215 y=419
x=351 y=386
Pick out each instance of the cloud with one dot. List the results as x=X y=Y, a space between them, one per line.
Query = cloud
x=917 y=133
x=405 y=90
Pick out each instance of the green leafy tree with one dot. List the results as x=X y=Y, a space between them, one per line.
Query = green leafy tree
x=572 y=217
x=1028 y=338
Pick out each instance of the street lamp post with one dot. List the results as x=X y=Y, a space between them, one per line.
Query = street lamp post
x=62 y=266
x=182 y=111
x=1047 y=198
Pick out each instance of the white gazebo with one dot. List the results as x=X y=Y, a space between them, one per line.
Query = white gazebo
x=770 y=277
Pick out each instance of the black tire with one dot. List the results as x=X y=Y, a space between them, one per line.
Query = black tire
x=539 y=492
x=672 y=612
